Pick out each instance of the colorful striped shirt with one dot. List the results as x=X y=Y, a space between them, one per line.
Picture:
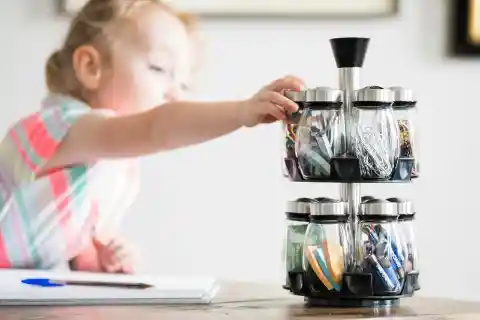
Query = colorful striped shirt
x=45 y=221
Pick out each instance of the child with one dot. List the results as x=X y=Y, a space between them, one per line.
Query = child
x=66 y=173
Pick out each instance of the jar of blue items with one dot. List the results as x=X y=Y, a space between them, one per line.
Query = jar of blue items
x=379 y=251
x=327 y=248
x=320 y=133
x=406 y=230
x=297 y=219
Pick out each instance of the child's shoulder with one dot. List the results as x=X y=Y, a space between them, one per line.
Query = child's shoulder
x=56 y=114
x=33 y=139
x=53 y=110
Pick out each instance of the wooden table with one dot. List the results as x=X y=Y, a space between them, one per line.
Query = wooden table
x=249 y=301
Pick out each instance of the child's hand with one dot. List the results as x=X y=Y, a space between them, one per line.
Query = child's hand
x=270 y=104
x=115 y=256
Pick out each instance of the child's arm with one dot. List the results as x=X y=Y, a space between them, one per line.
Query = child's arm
x=170 y=126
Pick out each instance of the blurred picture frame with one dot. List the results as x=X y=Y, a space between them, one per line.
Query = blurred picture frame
x=274 y=8
x=466 y=27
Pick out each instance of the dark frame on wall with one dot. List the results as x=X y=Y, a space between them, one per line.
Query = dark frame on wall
x=465 y=33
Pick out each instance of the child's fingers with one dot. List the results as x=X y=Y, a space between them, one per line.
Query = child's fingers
x=118 y=261
x=280 y=100
x=116 y=256
x=296 y=79
x=128 y=269
x=115 y=245
x=99 y=245
x=121 y=254
x=124 y=262
x=288 y=83
x=276 y=111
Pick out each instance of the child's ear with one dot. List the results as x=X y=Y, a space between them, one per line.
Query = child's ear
x=87 y=64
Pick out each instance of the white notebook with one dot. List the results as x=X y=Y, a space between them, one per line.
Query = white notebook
x=164 y=290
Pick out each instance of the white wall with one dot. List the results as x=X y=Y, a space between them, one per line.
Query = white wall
x=219 y=207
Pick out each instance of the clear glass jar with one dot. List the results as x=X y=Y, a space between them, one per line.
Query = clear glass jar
x=375 y=133
x=289 y=128
x=327 y=248
x=406 y=225
x=377 y=250
x=297 y=219
x=405 y=113
x=320 y=133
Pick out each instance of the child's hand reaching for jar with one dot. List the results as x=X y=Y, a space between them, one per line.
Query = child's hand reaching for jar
x=269 y=104
x=115 y=256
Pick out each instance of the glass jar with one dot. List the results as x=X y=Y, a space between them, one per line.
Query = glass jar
x=320 y=133
x=297 y=219
x=378 y=252
x=405 y=113
x=406 y=225
x=327 y=248
x=375 y=133
x=289 y=128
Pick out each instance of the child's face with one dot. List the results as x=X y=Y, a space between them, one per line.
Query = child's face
x=150 y=62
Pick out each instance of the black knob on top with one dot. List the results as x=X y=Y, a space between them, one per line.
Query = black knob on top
x=349 y=52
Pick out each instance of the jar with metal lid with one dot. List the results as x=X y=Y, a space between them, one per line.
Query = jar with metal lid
x=378 y=253
x=406 y=230
x=375 y=132
x=327 y=249
x=405 y=113
x=297 y=219
x=289 y=128
x=321 y=132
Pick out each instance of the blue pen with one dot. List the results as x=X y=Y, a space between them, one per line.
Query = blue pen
x=45 y=282
x=42 y=282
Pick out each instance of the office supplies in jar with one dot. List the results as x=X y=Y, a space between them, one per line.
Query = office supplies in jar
x=375 y=132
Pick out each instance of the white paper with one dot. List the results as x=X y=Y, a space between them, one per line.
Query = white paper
x=165 y=290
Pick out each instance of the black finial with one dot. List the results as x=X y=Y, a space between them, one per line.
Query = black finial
x=349 y=52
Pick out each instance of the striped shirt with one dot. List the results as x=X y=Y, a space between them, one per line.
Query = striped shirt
x=45 y=221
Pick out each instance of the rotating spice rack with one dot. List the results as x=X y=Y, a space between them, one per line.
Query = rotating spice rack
x=354 y=288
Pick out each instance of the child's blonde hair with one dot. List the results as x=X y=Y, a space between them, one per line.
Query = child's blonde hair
x=88 y=27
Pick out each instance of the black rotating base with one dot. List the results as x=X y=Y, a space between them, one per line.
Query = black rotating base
x=359 y=290
x=352 y=303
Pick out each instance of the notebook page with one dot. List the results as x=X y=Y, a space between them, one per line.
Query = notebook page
x=166 y=289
